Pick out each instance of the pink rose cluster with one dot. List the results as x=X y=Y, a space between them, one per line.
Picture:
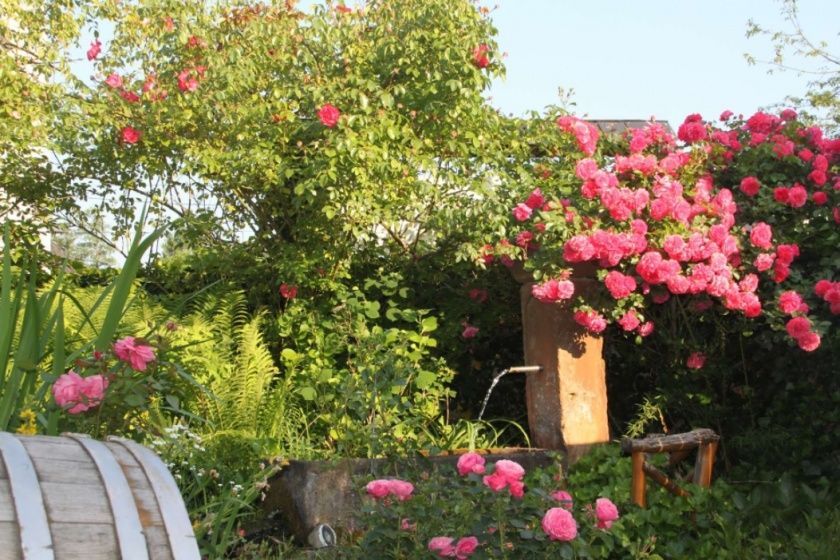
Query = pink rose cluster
x=446 y=547
x=560 y=525
x=508 y=474
x=78 y=394
x=657 y=225
x=383 y=488
x=553 y=290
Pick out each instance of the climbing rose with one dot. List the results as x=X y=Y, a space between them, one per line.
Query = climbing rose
x=586 y=134
x=328 y=115
x=606 y=512
x=553 y=290
x=288 y=291
x=809 y=342
x=692 y=129
x=114 y=80
x=94 y=50
x=522 y=212
x=619 y=285
x=559 y=525
x=725 y=115
x=130 y=135
x=470 y=463
x=629 y=322
x=465 y=547
x=401 y=489
x=136 y=354
x=790 y=302
x=187 y=81
x=820 y=198
x=130 y=96
x=798 y=327
x=478 y=295
x=592 y=321
x=442 y=546
x=797 y=196
x=761 y=236
x=696 y=360
x=479 y=56
x=750 y=186
x=535 y=199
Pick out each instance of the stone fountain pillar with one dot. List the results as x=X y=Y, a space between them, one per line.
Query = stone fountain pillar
x=567 y=399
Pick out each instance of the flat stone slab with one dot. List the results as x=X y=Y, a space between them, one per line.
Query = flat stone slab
x=307 y=493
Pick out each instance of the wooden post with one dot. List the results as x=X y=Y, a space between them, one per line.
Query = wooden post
x=638 y=488
x=705 y=462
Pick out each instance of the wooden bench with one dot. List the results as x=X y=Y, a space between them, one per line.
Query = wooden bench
x=678 y=446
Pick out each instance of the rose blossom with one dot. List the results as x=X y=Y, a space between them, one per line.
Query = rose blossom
x=797 y=196
x=559 y=525
x=798 y=327
x=522 y=212
x=619 y=285
x=750 y=186
x=535 y=199
x=114 y=80
x=790 y=302
x=442 y=546
x=696 y=360
x=288 y=291
x=328 y=115
x=553 y=290
x=470 y=463
x=465 y=547
x=136 y=354
x=94 y=50
x=130 y=135
x=479 y=56
x=809 y=342
x=79 y=393
x=629 y=321
x=564 y=498
x=469 y=331
x=605 y=512
x=761 y=235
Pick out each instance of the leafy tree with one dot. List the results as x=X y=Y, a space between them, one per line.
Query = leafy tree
x=796 y=51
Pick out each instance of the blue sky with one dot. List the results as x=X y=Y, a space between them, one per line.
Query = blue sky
x=666 y=58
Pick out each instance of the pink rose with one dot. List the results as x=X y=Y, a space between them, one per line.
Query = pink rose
x=535 y=199
x=137 y=355
x=288 y=291
x=465 y=547
x=470 y=463
x=67 y=391
x=510 y=470
x=407 y=525
x=479 y=56
x=94 y=50
x=797 y=196
x=696 y=360
x=478 y=295
x=378 y=488
x=442 y=546
x=619 y=285
x=761 y=236
x=725 y=115
x=605 y=512
x=819 y=198
x=469 y=331
x=79 y=393
x=130 y=135
x=790 y=302
x=798 y=327
x=629 y=321
x=187 y=81
x=400 y=488
x=809 y=342
x=328 y=115
x=564 y=498
x=764 y=261
x=114 y=80
x=522 y=212
x=553 y=290
x=750 y=186
x=559 y=525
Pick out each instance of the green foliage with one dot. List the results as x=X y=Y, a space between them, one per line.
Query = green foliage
x=365 y=370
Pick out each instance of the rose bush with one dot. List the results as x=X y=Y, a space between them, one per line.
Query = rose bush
x=732 y=218
x=462 y=512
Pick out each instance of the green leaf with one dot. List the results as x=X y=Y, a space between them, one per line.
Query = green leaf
x=425 y=379
x=308 y=393
x=429 y=324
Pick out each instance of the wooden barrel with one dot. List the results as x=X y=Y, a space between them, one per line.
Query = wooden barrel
x=73 y=498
